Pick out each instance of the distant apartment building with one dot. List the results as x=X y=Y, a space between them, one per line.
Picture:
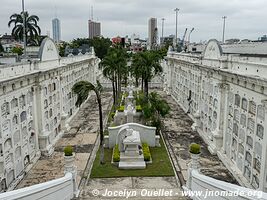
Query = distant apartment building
x=56 y=30
x=94 y=29
x=152 y=33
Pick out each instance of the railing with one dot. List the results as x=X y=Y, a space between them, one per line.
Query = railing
x=61 y=188
x=200 y=187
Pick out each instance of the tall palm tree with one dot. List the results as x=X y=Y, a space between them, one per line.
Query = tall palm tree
x=32 y=28
x=136 y=69
x=82 y=89
x=114 y=66
x=108 y=65
x=148 y=66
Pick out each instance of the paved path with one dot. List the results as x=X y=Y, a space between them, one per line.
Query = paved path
x=135 y=187
x=82 y=136
x=179 y=135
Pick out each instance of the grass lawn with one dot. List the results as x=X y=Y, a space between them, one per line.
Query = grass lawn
x=160 y=166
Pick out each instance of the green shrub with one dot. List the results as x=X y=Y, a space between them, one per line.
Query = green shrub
x=116 y=154
x=194 y=148
x=106 y=132
x=111 y=116
x=121 y=109
x=146 y=152
x=138 y=108
x=68 y=150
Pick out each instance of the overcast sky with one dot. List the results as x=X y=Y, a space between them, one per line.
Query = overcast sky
x=245 y=18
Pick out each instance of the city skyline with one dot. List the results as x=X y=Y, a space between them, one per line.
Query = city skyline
x=244 y=18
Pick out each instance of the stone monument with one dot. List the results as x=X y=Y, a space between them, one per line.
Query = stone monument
x=130 y=147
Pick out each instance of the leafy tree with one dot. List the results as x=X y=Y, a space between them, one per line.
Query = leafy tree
x=101 y=46
x=154 y=109
x=17 y=50
x=82 y=89
x=32 y=28
x=1 y=48
x=62 y=48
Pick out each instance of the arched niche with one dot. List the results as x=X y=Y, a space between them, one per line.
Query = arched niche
x=48 y=50
x=213 y=50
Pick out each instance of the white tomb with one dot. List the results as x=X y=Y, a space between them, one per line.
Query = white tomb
x=130 y=147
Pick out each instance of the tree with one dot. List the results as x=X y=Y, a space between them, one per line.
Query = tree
x=32 y=28
x=154 y=108
x=108 y=66
x=1 y=48
x=62 y=48
x=101 y=46
x=148 y=66
x=82 y=89
x=17 y=50
x=114 y=66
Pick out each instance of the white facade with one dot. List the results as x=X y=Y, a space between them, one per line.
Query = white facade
x=36 y=103
x=226 y=96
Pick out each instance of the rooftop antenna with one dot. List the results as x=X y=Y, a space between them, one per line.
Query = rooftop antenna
x=92 y=13
x=56 y=11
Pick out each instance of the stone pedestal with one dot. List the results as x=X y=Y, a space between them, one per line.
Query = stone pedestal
x=192 y=166
x=157 y=141
x=69 y=167
x=106 y=141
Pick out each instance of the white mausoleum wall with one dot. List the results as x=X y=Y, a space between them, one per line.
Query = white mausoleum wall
x=36 y=104
x=226 y=96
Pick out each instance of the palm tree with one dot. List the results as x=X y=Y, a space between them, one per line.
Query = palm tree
x=148 y=66
x=108 y=65
x=154 y=108
x=136 y=69
x=32 y=28
x=82 y=89
x=114 y=66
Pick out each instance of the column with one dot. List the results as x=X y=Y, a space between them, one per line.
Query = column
x=37 y=122
x=219 y=133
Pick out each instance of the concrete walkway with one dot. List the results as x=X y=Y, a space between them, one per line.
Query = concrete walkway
x=132 y=188
x=82 y=137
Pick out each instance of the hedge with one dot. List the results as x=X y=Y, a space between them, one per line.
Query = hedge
x=116 y=154
x=138 y=108
x=121 y=109
x=146 y=152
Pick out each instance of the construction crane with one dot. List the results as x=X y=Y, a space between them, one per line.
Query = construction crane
x=188 y=39
x=183 y=39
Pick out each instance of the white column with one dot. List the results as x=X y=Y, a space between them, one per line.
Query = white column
x=69 y=167
x=220 y=133
x=37 y=113
x=194 y=165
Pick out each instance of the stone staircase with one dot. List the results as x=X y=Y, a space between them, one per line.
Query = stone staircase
x=132 y=162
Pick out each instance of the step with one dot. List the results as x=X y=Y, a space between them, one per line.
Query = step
x=132 y=165
x=131 y=158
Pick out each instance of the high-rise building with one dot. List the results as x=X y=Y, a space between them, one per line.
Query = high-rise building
x=56 y=30
x=152 y=33
x=94 y=29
